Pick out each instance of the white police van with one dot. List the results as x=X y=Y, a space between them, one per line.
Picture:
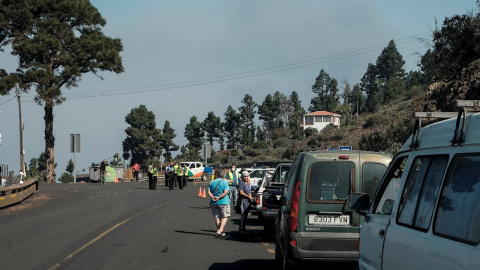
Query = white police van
x=425 y=213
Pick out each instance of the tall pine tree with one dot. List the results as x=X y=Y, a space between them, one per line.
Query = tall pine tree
x=56 y=43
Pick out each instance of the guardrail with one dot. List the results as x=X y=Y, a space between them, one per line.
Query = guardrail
x=18 y=192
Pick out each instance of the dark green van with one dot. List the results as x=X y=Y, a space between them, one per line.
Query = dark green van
x=315 y=221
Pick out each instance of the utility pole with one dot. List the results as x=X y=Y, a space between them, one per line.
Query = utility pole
x=22 y=152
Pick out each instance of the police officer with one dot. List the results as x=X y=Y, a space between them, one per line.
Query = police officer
x=155 y=177
x=150 y=176
x=167 y=175
x=179 y=174
x=185 y=175
x=233 y=178
x=171 y=176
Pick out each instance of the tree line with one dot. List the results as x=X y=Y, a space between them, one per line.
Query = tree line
x=56 y=42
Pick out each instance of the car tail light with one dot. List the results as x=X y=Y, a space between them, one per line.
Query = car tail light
x=343 y=157
x=293 y=243
x=293 y=221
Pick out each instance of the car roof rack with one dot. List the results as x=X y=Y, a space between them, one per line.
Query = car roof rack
x=465 y=107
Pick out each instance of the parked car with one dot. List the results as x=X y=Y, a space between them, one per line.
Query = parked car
x=258 y=194
x=314 y=221
x=425 y=213
x=272 y=198
x=256 y=176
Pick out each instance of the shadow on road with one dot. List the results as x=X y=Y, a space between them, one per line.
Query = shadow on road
x=210 y=233
x=245 y=264
x=203 y=207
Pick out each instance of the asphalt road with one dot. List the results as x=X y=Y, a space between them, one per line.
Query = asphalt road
x=125 y=226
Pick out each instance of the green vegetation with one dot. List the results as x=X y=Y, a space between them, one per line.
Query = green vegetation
x=56 y=42
x=376 y=112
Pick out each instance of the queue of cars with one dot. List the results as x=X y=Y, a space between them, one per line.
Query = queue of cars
x=419 y=211
x=314 y=221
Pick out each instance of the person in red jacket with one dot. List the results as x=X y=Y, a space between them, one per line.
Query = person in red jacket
x=136 y=171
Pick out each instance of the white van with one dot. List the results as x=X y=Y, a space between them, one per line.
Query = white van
x=426 y=212
x=196 y=169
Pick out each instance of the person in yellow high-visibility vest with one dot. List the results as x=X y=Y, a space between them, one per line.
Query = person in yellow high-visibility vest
x=185 y=174
x=233 y=180
x=150 y=176
x=179 y=173
x=155 y=177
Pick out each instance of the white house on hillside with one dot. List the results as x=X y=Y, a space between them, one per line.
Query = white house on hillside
x=320 y=119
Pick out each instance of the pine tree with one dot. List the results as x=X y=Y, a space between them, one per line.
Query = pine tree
x=167 y=141
x=247 y=121
x=194 y=134
x=212 y=126
x=231 y=127
x=269 y=110
x=326 y=89
x=142 y=143
x=56 y=43
x=295 y=118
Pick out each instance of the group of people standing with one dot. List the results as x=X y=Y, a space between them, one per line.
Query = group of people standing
x=152 y=176
x=227 y=189
x=175 y=173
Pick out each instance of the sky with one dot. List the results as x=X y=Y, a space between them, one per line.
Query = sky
x=187 y=58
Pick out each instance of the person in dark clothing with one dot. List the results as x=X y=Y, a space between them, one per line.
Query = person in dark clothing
x=245 y=194
x=103 y=166
x=185 y=174
x=150 y=176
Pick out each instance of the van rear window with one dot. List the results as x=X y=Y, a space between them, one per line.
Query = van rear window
x=329 y=181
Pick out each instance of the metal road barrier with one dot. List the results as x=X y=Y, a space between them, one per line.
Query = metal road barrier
x=18 y=192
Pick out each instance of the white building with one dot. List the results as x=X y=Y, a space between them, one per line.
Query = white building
x=320 y=119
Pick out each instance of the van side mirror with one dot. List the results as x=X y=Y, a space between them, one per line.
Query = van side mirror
x=359 y=201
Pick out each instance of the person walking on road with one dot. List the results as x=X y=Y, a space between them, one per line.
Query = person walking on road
x=245 y=194
x=233 y=179
x=179 y=175
x=136 y=171
x=220 y=201
x=103 y=168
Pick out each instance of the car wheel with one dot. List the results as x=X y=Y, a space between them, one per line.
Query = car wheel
x=286 y=263
x=261 y=219
x=278 y=256
x=269 y=228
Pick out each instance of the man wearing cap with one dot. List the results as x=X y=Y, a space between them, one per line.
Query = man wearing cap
x=233 y=178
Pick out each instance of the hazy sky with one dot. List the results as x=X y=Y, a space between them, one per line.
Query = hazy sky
x=186 y=58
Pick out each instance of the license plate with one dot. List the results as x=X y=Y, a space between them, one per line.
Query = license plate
x=333 y=220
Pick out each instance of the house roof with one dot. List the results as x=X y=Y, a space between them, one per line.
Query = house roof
x=317 y=113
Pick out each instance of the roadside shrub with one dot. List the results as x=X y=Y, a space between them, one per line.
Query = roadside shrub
x=66 y=178
x=235 y=152
x=310 y=132
x=281 y=142
x=249 y=151
x=260 y=145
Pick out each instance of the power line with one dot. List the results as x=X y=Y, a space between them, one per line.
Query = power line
x=241 y=75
